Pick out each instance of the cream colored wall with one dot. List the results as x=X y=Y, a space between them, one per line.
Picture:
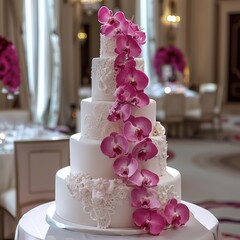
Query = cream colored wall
x=201 y=31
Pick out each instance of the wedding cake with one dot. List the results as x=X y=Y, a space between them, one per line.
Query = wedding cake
x=118 y=176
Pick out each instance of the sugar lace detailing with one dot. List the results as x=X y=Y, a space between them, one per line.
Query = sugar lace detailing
x=165 y=193
x=99 y=197
x=96 y=125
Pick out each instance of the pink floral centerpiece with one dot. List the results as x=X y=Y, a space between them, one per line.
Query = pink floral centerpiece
x=9 y=68
x=133 y=145
x=171 y=56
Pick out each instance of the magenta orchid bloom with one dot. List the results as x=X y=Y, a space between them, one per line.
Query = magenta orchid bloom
x=149 y=221
x=127 y=45
x=9 y=66
x=125 y=166
x=123 y=61
x=133 y=76
x=145 y=150
x=144 y=198
x=144 y=178
x=120 y=111
x=175 y=213
x=141 y=100
x=114 y=145
x=136 y=33
x=125 y=93
x=137 y=128
x=112 y=24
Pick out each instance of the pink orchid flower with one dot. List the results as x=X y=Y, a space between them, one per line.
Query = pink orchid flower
x=144 y=198
x=136 y=33
x=149 y=221
x=145 y=150
x=144 y=178
x=113 y=24
x=137 y=128
x=175 y=213
x=127 y=45
x=141 y=99
x=114 y=145
x=125 y=166
x=125 y=93
x=123 y=61
x=133 y=76
x=120 y=111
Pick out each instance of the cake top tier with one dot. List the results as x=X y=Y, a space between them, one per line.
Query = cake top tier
x=107 y=47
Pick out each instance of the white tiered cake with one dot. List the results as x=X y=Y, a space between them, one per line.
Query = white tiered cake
x=89 y=192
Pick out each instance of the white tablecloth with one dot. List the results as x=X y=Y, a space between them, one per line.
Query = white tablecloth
x=158 y=92
x=33 y=226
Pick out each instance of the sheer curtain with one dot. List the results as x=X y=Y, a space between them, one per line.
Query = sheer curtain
x=147 y=15
x=42 y=48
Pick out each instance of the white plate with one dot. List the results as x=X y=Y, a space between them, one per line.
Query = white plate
x=53 y=219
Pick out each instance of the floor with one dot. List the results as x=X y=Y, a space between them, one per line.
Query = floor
x=210 y=170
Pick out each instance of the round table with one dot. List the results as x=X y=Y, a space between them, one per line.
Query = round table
x=33 y=225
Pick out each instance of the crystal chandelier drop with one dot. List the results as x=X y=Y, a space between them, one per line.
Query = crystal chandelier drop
x=90 y=6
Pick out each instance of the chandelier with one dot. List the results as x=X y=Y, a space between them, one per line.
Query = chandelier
x=89 y=6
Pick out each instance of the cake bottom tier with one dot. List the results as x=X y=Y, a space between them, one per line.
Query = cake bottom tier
x=104 y=203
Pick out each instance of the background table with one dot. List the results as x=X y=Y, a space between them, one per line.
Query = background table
x=33 y=226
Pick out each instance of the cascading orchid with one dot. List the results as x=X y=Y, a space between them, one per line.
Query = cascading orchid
x=120 y=111
x=127 y=45
x=9 y=68
x=113 y=24
x=134 y=77
x=137 y=128
x=125 y=166
x=133 y=144
x=145 y=178
x=145 y=198
x=114 y=145
x=149 y=221
x=144 y=150
x=176 y=214
x=123 y=61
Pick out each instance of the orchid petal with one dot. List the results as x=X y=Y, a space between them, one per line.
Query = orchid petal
x=133 y=76
x=125 y=166
x=145 y=150
x=150 y=221
x=114 y=145
x=135 y=129
x=104 y=14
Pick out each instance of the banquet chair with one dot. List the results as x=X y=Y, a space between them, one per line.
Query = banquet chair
x=172 y=114
x=15 y=116
x=218 y=106
x=208 y=87
x=203 y=114
x=36 y=164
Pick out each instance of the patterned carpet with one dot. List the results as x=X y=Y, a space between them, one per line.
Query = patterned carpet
x=210 y=169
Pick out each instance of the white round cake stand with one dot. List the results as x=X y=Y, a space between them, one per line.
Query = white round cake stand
x=33 y=226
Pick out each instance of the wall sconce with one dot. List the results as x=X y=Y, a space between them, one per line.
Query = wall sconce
x=173 y=18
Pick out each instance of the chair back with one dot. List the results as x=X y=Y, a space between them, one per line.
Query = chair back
x=37 y=162
x=174 y=106
x=208 y=87
x=207 y=103
x=16 y=116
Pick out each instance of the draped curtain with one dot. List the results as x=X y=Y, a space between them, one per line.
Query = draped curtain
x=42 y=50
x=147 y=13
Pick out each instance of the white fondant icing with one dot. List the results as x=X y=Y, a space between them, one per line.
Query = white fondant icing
x=71 y=209
x=103 y=78
x=94 y=122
